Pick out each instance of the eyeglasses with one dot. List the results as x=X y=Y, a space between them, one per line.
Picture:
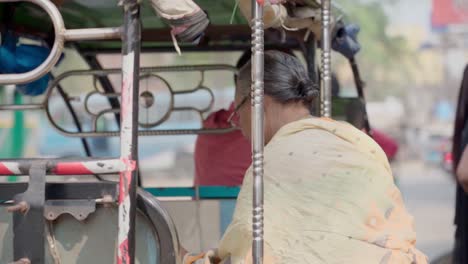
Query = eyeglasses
x=234 y=117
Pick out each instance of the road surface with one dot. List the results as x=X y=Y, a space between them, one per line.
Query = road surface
x=429 y=194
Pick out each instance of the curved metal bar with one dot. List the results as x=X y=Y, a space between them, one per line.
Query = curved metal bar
x=200 y=87
x=106 y=85
x=86 y=99
x=61 y=35
x=326 y=89
x=162 y=119
x=165 y=227
x=99 y=115
x=257 y=129
x=171 y=103
x=113 y=102
x=105 y=72
x=89 y=95
x=46 y=66
x=148 y=71
x=165 y=132
x=75 y=119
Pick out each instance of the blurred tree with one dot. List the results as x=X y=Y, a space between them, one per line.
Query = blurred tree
x=385 y=60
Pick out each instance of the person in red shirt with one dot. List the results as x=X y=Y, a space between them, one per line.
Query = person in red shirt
x=221 y=159
x=354 y=114
x=388 y=144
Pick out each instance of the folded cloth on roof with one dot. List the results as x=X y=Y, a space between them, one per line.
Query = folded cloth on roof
x=187 y=20
x=345 y=39
x=277 y=16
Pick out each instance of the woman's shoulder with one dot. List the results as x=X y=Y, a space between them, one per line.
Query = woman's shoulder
x=328 y=138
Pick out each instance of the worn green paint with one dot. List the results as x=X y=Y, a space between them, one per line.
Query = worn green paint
x=205 y=192
x=17 y=134
x=12 y=145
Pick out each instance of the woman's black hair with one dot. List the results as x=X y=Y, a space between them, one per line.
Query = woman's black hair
x=461 y=119
x=247 y=55
x=285 y=79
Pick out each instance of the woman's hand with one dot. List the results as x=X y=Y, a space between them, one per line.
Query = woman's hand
x=189 y=259
x=210 y=257
x=462 y=170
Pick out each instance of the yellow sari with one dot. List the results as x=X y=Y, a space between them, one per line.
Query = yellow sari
x=329 y=198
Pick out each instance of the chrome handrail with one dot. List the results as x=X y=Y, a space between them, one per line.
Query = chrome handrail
x=61 y=35
x=258 y=141
x=326 y=89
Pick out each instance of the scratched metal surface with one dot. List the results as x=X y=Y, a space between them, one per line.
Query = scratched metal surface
x=90 y=241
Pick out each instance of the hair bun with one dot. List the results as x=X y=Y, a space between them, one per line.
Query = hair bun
x=307 y=91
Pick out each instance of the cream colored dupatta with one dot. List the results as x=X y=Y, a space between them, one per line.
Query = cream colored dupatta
x=329 y=198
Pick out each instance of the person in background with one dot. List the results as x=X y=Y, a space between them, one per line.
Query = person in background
x=354 y=115
x=221 y=160
x=460 y=162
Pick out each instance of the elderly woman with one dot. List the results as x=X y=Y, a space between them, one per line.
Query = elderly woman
x=329 y=190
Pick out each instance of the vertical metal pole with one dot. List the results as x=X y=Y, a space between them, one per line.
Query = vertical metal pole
x=129 y=131
x=311 y=48
x=326 y=90
x=257 y=129
x=360 y=89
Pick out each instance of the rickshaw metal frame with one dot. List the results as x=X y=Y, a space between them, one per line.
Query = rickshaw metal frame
x=60 y=191
x=61 y=35
x=129 y=131
x=360 y=85
x=103 y=73
x=28 y=217
x=257 y=110
x=126 y=164
x=326 y=91
x=130 y=72
x=105 y=194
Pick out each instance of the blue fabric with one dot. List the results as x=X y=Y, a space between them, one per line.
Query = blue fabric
x=23 y=58
x=345 y=40
x=227 y=208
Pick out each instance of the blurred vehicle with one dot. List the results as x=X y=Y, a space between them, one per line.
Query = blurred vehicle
x=447 y=162
x=447 y=157
x=436 y=141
